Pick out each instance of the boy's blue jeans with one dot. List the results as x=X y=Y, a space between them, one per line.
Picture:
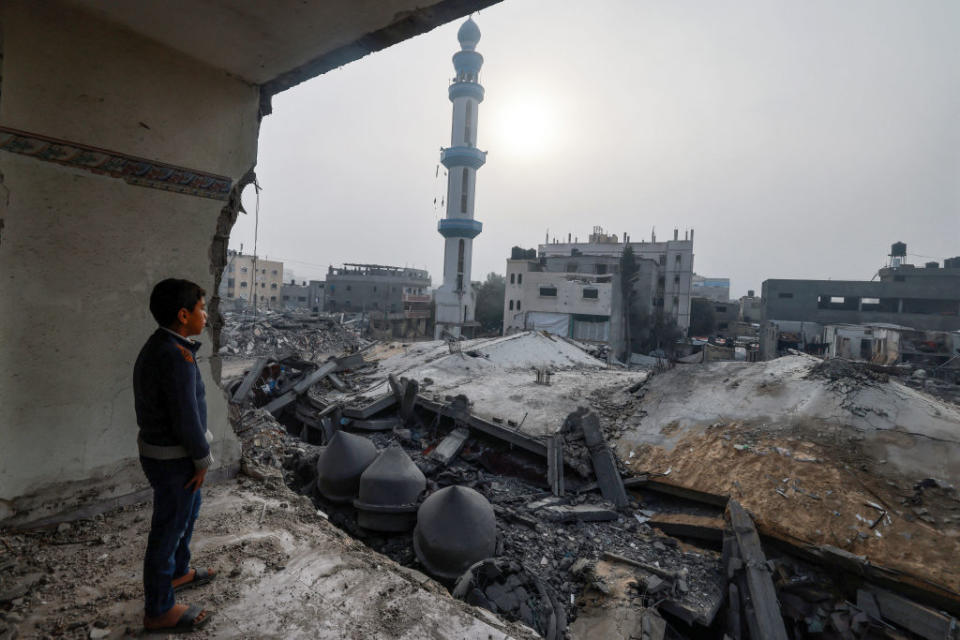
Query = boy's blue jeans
x=168 y=545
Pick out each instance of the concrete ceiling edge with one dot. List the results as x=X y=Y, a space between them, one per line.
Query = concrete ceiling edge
x=406 y=25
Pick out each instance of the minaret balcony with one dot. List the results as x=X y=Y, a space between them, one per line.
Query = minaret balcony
x=466 y=90
x=463 y=157
x=459 y=228
x=467 y=61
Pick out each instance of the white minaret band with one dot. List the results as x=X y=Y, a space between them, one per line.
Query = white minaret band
x=455 y=299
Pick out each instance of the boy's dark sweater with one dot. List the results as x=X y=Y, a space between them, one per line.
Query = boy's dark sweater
x=170 y=400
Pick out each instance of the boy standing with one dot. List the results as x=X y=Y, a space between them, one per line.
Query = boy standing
x=174 y=451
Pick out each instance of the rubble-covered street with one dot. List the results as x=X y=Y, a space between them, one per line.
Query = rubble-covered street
x=781 y=499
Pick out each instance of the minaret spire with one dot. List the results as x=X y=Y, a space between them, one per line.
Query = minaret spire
x=455 y=298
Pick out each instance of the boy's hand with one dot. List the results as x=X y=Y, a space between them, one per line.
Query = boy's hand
x=197 y=480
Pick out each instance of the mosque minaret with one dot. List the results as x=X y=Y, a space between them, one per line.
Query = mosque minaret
x=455 y=299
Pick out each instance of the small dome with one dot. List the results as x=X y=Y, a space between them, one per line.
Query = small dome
x=469 y=35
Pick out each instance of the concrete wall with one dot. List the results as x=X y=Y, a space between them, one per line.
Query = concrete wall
x=798 y=300
x=90 y=247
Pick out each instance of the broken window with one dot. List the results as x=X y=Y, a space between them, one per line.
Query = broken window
x=931 y=306
x=548 y=292
x=838 y=303
x=591 y=293
x=464 y=185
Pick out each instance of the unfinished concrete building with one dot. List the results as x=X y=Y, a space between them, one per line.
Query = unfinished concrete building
x=131 y=129
x=794 y=312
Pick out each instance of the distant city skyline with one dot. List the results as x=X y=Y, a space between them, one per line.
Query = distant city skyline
x=799 y=140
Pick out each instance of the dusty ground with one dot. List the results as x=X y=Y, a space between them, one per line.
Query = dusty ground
x=809 y=491
x=285 y=572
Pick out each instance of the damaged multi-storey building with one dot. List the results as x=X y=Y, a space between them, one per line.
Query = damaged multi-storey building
x=396 y=299
x=572 y=288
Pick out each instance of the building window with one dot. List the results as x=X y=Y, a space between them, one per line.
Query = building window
x=600 y=268
x=263 y=285
x=460 y=257
x=243 y=269
x=273 y=285
x=243 y=285
x=518 y=305
x=264 y=271
x=274 y=272
x=286 y=297
x=548 y=292
x=721 y=309
x=519 y=278
x=513 y=278
x=784 y=294
x=676 y=281
x=468 y=127
x=677 y=259
x=230 y=283
x=722 y=325
x=348 y=288
x=511 y=305
x=230 y=269
x=374 y=288
x=464 y=185
x=663 y=261
x=899 y=278
x=591 y=293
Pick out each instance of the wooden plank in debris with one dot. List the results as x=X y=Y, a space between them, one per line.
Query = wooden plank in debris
x=763 y=595
x=611 y=485
x=578 y=513
x=337 y=382
x=248 y=381
x=555 y=464
x=364 y=412
x=916 y=618
x=450 y=446
x=660 y=486
x=509 y=436
x=688 y=526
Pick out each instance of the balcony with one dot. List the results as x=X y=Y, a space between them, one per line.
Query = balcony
x=416 y=313
x=463 y=157
x=459 y=228
x=410 y=297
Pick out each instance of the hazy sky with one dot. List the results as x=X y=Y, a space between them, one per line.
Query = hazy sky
x=799 y=139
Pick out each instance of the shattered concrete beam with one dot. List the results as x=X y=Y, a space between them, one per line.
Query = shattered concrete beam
x=763 y=595
x=337 y=382
x=300 y=387
x=510 y=436
x=611 y=485
x=248 y=381
x=555 y=464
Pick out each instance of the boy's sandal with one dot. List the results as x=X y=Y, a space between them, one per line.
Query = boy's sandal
x=186 y=623
x=200 y=577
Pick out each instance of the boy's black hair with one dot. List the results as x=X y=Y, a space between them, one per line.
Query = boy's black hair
x=171 y=295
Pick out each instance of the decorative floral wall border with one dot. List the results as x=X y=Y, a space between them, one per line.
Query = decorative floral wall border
x=133 y=170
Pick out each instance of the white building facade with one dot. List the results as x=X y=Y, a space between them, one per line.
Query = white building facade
x=455 y=300
x=673 y=259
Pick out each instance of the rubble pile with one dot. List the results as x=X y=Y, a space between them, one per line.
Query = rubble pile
x=656 y=538
x=300 y=334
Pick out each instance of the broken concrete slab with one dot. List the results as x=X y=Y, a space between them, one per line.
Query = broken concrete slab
x=249 y=379
x=450 y=446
